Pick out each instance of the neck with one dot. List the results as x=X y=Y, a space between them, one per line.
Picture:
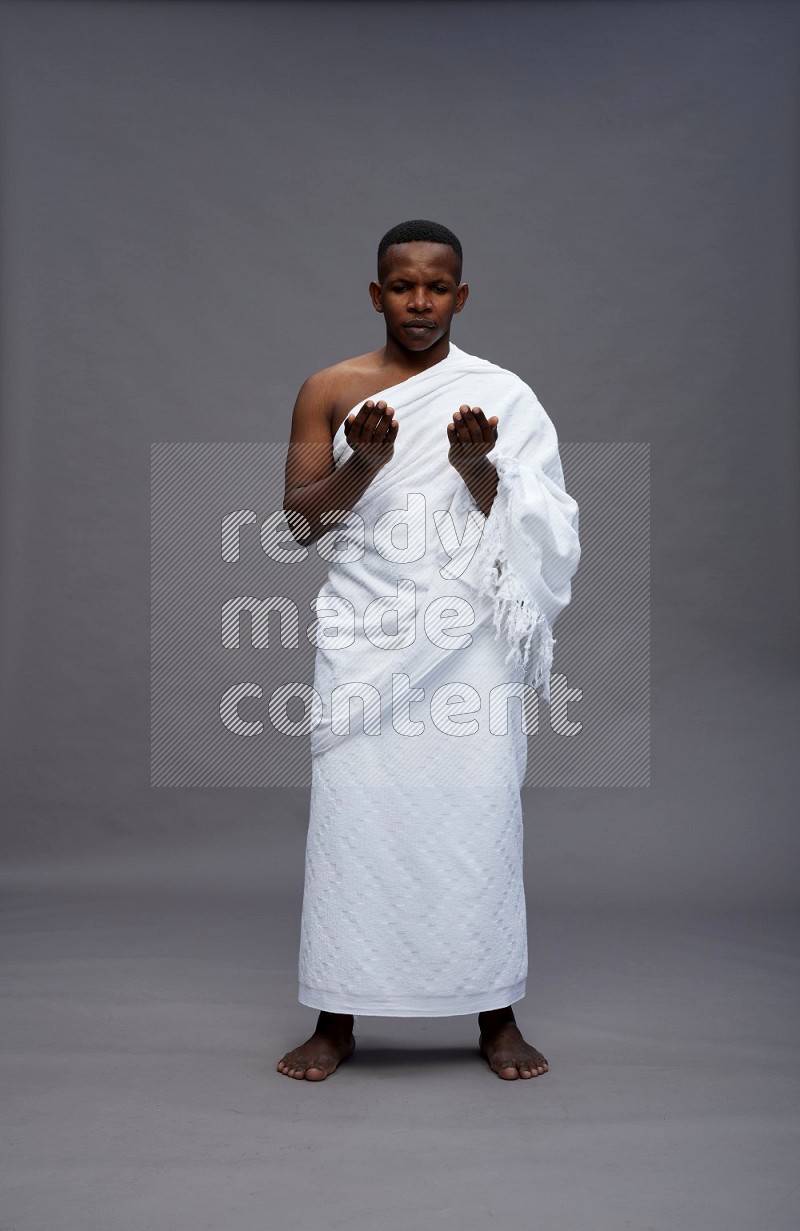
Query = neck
x=412 y=362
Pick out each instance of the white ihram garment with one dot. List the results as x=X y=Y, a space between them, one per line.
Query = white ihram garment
x=413 y=901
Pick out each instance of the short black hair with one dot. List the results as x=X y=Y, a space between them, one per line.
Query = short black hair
x=419 y=230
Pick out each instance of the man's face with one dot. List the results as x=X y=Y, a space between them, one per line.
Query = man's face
x=419 y=293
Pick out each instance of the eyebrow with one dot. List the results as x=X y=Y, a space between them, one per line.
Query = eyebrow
x=403 y=278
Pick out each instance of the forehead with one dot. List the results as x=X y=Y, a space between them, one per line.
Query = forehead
x=421 y=259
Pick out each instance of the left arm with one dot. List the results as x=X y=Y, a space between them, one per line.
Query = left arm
x=472 y=437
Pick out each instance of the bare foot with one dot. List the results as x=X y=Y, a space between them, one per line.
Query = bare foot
x=319 y=1056
x=508 y=1054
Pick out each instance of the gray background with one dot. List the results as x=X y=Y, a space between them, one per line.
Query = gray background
x=192 y=196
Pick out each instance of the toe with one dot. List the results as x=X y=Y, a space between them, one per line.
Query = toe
x=316 y=1074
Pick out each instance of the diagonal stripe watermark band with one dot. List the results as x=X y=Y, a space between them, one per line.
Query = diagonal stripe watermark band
x=237 y=620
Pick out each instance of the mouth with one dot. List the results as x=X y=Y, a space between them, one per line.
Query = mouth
x=419 y=325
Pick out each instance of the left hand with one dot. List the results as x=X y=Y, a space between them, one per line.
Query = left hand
x=472 y=436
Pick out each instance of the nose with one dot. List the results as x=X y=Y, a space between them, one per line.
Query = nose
x=419 y=301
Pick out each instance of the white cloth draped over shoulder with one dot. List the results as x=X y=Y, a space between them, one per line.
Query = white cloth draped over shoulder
x=413 y=901
x=522 y=557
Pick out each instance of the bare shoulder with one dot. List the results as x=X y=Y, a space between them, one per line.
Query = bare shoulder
x=327 y=396
x=347 y=374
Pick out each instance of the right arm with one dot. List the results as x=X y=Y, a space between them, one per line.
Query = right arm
x=313 y=484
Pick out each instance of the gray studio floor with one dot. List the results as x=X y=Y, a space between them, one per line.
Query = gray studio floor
x=142 y=1023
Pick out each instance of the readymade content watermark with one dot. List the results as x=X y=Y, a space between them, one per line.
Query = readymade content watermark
x=256 y=646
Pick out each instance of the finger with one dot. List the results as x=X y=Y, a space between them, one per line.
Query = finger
x=491 y=425
x=370 y=413
x=379 y=418
x=361 y=417
x=483 y=423
x=461 y=426
x=473 y=427
x=366 y=420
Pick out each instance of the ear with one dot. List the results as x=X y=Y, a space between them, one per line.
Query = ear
x=376 y=295
x=462 y=295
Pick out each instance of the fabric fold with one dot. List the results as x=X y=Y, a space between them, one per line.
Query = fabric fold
x=530 y=548
x=527 y=549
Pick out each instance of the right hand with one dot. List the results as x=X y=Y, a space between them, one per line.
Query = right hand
x=371 y=434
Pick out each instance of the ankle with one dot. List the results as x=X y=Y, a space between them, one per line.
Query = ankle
x=335 y=1023
x=492 y=1018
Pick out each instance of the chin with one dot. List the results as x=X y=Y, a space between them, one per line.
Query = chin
x=420 y=344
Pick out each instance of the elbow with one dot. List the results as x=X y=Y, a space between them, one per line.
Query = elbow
x=297 y=521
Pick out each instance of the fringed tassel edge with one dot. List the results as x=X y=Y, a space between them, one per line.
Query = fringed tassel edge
x=516 y=615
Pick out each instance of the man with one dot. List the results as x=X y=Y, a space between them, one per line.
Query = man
x=450 y=518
